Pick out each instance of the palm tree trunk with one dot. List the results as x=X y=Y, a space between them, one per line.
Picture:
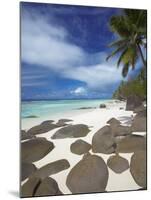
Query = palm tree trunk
x=141 y=54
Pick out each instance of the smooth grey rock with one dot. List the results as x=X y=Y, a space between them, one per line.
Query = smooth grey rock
x=119 y=130
x=113 y=121
x=118 y=164
x=80 y=147
x=139 y=109
x=31 y=116
x=26 y=170
x=51 y=168
x=42 y=128
x=88 y=175
x=84 y=108
x=47 y=187
x=47 y=122
x=28 y=188
x=35 y=149
x=103 y=141
x=26 y=136
x=139 y=123
x=138 y=168
x=131 y=143
x=71 y=131
x=62 y=122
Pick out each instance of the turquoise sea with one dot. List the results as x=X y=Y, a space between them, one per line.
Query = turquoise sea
x=54 y=107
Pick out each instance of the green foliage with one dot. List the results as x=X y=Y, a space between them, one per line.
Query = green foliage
x=130 y=28
x=137 y=87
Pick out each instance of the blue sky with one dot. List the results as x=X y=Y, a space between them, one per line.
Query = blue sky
x=64 y=50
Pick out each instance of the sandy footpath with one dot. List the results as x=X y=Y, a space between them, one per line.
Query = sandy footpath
x=95 y=119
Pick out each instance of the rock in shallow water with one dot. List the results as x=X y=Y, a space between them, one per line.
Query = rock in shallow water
x=35 y=149
x=80 y=147
x=88 y=175
x=102 y=105
x=103 y=141
x=26 y=170
x=118 y=164
x=71 y=131
x=138 y=168
x=131 y=143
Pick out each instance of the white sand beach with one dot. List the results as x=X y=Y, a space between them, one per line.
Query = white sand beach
x=95 y=119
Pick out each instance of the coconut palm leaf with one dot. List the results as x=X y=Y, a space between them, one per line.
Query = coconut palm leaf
x=131 y=30
x=125 y=69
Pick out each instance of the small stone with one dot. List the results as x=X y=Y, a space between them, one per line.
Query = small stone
x=80 y=147
x=118 y=164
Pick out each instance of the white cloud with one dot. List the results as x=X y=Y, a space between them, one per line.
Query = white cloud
x=98 y=76
x=45 y=44
x=80 y=91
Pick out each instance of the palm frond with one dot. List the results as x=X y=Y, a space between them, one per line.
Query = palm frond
x=125 y=70
x=121 y=57
x=114 y=53
x=118 y=43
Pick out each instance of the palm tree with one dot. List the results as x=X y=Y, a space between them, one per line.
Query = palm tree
x=131 y=30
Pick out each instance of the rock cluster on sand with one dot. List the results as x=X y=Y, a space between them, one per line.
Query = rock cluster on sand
x=39 y=182
x=118 y=164
x=71 y=131
x=35 y=149
x=91 y=173
x=138 y=168
x=88 y=175
x=26 y=136
x=37 y=187
x=80 y=147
